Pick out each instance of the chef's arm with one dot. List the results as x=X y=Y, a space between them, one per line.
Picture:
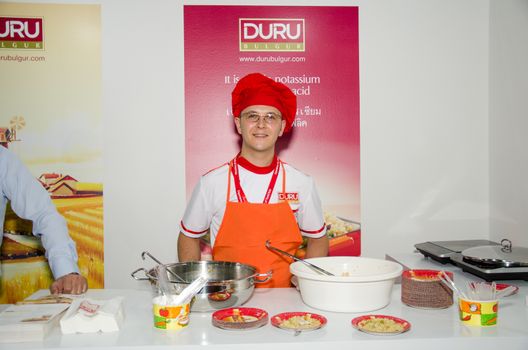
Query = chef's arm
x=316 y=247
x=188 y=248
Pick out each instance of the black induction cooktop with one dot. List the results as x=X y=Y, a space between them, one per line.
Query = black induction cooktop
x=451 y=252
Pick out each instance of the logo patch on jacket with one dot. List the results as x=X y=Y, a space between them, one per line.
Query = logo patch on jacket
x=292 y=197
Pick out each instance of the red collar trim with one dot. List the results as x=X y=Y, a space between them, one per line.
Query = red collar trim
x=244 y=163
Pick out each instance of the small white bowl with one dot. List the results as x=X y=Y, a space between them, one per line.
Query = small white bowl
x=359 y=285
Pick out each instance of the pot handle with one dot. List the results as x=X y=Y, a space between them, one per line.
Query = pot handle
x=133 y=274
x=266 y=277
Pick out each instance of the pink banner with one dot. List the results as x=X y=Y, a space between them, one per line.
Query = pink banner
x=313 y=50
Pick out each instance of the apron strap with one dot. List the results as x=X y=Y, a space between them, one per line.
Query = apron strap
x=229 y=181
x=241 y=196
x=283 y=177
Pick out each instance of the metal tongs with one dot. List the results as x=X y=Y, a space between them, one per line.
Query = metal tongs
x=312 y=266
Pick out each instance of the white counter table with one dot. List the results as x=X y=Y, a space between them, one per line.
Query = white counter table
x=431 y=329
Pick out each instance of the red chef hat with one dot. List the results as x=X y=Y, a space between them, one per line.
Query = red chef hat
x=257 y=89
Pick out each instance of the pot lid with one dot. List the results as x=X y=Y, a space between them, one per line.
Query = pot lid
x=504 y=255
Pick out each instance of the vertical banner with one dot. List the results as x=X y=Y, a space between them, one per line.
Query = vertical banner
x=313 y=50
x=50 y=116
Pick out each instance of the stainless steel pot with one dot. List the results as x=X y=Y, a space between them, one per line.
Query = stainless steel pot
x=229 y=284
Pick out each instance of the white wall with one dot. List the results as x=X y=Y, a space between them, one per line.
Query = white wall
x=424 y=117
x=144 y=142
x=424 y=125
x=509 y=121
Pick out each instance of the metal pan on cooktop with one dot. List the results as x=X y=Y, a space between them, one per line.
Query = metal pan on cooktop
x=503 y=255
x=443 y=251
x=482 y=258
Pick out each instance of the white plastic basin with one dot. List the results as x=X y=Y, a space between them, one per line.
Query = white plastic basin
x=359 y=285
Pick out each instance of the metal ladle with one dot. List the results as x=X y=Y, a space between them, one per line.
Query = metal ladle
x=160 y=263
x=310 y=265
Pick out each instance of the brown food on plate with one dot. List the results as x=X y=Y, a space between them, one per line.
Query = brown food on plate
x=238 y=318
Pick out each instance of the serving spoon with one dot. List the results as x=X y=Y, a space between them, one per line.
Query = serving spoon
x=312 y=266
x=160 y=263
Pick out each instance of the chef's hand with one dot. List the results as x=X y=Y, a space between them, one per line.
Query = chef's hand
x=72 y=283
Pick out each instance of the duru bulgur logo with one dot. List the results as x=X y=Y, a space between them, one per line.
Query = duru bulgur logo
x=271 y=34
x=21 y=33
x=289 y=196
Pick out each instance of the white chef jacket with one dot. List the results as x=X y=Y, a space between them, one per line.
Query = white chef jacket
x=205 y=210
x=29 y=200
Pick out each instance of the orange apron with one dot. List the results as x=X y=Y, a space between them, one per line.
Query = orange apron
x=246 y=227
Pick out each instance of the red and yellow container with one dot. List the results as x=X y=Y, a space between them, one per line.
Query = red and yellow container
x=170 y=316
x=482 y=313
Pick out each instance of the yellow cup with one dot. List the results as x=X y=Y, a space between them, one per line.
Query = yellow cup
x=170 y=316
x=481 y=313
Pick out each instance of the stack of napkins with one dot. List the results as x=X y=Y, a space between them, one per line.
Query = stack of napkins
x=91 y=315
x=24 y=323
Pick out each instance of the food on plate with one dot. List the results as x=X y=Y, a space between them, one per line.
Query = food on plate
x=240 y=318
x=337 y=227
x=337 y=231
x=381 y=325
x=300 y=322
x=237 y=317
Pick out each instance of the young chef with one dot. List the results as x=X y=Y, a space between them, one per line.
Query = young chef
x=256 y=196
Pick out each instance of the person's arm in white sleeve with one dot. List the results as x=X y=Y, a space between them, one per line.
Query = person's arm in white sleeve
x=312 y=225
x=194 y=224
x=31 y=201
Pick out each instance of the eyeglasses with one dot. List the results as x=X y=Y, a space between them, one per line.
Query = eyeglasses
x=268 y=118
